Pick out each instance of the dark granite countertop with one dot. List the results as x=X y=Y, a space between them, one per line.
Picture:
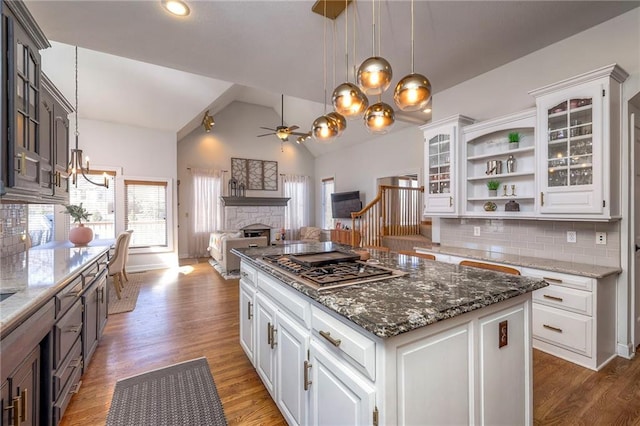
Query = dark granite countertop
x=35 y=276
x=573 y=268
x=430 y=292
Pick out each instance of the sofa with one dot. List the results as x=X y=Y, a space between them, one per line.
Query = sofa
x=221 y=243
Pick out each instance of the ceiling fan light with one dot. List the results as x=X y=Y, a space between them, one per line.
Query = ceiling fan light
x=282 y=134
x=349 y=101
x=325 y=130
x=374 y=75
x=379 y=118
x=412 y=93
x=341 y=122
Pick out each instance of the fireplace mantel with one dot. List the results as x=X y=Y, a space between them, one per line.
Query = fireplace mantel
x=254 y=201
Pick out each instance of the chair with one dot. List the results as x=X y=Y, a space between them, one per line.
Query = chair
x=490 y=266
x=116 y=263
x=416 y=254
x=379 y=248
x=126 y=254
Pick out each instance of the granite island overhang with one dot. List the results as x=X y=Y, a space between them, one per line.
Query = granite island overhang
x=429 y=292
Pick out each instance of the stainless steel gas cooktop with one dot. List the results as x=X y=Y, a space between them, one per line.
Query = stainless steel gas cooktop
x=329 y=270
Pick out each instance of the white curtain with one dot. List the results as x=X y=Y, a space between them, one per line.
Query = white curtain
x=206 y=209
x=296 y=214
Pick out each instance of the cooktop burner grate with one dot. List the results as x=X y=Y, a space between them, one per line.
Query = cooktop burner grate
x=332 y=274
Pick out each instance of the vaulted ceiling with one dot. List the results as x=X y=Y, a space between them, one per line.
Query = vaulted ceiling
x=156 y=70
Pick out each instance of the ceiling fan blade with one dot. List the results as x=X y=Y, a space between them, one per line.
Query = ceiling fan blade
x=266 y=134
x=292 y=128
x=300 y=134
x=268 y=128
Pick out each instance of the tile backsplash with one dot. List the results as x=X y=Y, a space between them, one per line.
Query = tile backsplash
x=537 y=238
x=13 y=225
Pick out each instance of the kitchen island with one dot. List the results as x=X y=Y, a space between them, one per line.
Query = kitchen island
x=441 y=344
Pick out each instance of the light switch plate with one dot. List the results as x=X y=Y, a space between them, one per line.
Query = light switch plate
x=572 y=236
x=476 y=231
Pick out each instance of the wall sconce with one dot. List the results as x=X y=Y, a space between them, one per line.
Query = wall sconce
x=207 y=122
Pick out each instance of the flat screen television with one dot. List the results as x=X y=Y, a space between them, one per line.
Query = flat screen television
x=343 y=203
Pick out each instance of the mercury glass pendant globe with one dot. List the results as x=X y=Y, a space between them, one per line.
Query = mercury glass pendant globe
x=341 y=122
x=379 y=118
x=374 y=75
x=412 y=93
x=324 y=129
x=349 y=101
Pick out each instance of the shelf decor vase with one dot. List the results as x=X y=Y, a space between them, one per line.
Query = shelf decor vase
x=80 y=235
x=514 y=145
x=493 y=193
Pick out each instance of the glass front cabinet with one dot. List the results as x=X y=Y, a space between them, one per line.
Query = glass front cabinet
x=441 y=141
x=579 y=144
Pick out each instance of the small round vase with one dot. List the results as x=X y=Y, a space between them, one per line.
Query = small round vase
x=80 y=235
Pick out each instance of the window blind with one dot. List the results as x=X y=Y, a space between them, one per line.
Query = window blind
x=145 y=205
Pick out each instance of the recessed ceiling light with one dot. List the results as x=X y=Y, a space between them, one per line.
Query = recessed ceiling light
x=176 y=7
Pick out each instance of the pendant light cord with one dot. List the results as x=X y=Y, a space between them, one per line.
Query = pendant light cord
x=412 y=37
x=324 y=56
x=346 y=41
x=373 y=27
x=76 y=112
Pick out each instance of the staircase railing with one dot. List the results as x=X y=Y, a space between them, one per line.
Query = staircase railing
x=396 y=210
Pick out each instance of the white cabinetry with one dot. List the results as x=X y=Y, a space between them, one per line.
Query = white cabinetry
x=487 y=152
x=574 y=318
x=247 y=309
x=322 y=369
x=579 y=136
x=339 y=395
x=441 y=142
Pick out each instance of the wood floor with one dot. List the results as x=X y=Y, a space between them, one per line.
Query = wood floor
x=181 y=315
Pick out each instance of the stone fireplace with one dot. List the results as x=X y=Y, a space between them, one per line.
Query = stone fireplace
x=255 y=216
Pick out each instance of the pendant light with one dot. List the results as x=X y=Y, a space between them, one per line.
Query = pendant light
x=348 y=100
x=379 y=118
x=375 y=74
x=325 y=128
x=413 y=92
x=75 y=163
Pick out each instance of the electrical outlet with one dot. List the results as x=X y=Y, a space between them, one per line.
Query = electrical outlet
x=476 y=231
x=601 y=238
x=503 y=334
x=572 y=236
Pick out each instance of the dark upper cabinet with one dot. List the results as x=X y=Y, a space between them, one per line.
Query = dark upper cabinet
x=47 y=125
x=23 y=152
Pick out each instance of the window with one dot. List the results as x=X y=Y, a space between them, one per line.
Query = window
x=328 y=188
x=145 y=205
x=40 y=223
x=99 y=202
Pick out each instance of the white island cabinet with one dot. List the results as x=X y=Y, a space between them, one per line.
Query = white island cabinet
x=322 y=369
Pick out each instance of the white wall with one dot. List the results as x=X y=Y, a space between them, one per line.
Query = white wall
x=356 y=168
x=234 y=135
x=140 y=153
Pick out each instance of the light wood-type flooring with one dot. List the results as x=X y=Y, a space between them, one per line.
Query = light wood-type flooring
x=193 y=312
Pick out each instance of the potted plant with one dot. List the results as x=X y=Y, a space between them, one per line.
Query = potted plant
x=514 y=140
x=493 y=186
x=80 y=235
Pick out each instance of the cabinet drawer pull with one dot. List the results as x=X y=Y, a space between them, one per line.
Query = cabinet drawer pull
x=23 y=164
x=74 y=329
x=307 y=382
x=555 y=298
x=23 y=406
x=249 y=313
x=15 y=411
x=450 y=201
x=327 y=335
x=269 y=335
x=549 y=327
x=273 y=337
x=101 y=294
x=542 y=199
x=553 y=280
x=76 y=388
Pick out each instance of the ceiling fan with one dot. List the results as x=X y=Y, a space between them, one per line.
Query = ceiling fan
x=283 y=132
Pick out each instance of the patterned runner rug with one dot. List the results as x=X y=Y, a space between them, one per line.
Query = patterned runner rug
x=180 y=394
x=129 y=293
